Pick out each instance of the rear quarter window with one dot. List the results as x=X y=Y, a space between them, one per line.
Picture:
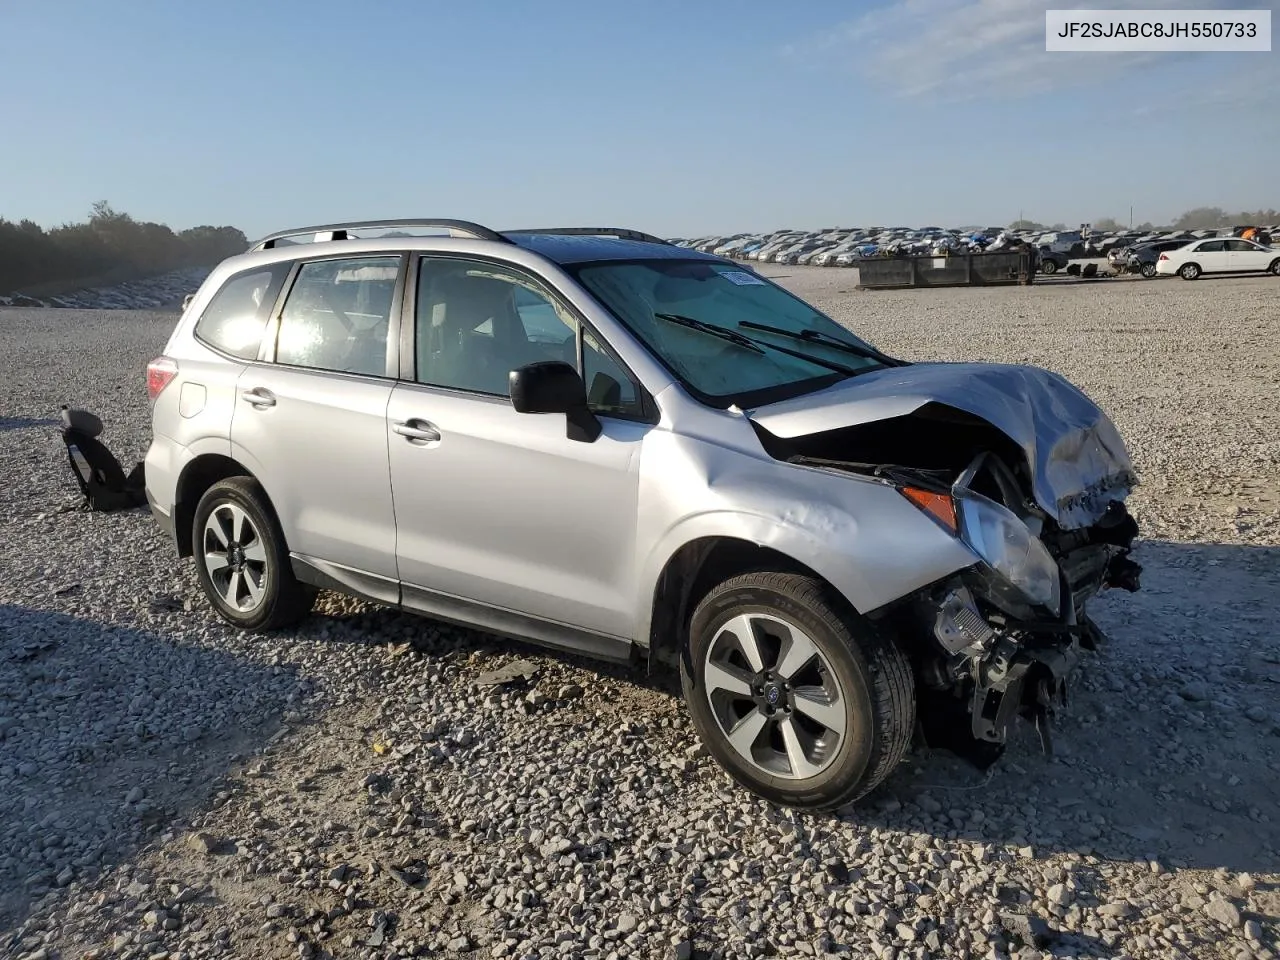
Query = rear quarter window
x=234 y=319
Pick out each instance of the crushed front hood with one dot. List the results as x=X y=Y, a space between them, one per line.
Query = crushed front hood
x=1078 y=461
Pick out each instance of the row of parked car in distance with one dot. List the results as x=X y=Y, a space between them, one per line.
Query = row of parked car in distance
x=1126 y=251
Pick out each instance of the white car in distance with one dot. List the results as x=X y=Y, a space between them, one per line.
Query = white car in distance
x=1219 y=255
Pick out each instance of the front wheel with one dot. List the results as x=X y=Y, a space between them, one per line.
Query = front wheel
x=1148 y=270
x=242 y=562
x=1189 y=271
x=1275 y=267
x=801 y=701
x=1047 y=267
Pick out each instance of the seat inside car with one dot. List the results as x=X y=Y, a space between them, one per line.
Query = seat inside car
x=367 y=304
x=474 y=338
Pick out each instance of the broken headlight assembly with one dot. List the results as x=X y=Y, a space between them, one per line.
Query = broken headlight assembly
x=1010 y=549
x=1026 y=571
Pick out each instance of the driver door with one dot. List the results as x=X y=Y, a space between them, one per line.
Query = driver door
x=1247 y=256
x=501 y=519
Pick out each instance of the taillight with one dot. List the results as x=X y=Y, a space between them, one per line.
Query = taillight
x=1164 y=256
x=160 y=372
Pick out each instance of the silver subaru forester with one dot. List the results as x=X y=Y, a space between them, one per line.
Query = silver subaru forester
x=600 y=441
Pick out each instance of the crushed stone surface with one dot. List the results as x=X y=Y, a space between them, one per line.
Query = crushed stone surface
x=361 y=787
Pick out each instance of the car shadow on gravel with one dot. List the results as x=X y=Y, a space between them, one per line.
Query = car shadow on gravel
x=108 y=735
x=385 y=626
x=1166 y=752
x=25 y=423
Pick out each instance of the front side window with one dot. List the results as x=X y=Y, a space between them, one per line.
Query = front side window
x=337 y=315
x=728 y=334
x=236 y=316
x=477 y=321
x=1242 y=246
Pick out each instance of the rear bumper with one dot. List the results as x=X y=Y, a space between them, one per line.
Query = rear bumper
x=164 y=462
x=165 y=520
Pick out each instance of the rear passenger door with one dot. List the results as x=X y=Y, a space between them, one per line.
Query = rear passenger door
x=310 y=416
x=1212 y=256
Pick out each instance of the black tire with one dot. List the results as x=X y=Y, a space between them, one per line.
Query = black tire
x=1275 y=267
x=1189 y=271
x=284 y=599
x=1048 y=266
x=875 y=680
x=1148 y=269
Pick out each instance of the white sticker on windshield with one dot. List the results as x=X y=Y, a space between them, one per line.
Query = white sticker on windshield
x=742 y=278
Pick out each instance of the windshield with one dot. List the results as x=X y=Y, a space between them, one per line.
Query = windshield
x=683 y=309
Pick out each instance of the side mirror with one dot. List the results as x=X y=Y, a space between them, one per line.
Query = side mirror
x=553 y=386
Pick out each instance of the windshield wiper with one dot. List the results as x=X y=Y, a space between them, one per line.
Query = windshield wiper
x=750 y=343
x=809 y=335
x=693 y=324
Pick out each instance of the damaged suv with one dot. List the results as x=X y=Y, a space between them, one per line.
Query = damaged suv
x=596 y=440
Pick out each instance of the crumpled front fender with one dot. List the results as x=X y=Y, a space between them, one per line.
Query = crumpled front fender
x=860 y=535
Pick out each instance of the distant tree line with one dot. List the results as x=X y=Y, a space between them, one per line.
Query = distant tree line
x=109 y=243
x=1201 y=218
x=1204 y=218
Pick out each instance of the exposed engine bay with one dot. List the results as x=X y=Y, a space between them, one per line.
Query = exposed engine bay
x=1001 y=638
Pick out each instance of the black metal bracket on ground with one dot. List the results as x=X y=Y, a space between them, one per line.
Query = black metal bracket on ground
x=97 y=472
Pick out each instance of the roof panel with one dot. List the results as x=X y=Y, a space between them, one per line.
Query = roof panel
x=565 y=249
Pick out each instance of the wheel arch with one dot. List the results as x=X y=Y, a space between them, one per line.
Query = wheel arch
x=197 y=477
x=692 y=571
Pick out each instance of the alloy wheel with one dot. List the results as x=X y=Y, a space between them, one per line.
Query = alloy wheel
x=774 y=696
x=235 y=557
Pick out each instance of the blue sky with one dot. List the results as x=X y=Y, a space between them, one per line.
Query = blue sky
x=673 y=116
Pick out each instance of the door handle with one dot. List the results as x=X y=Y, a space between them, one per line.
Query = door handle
x=259 y=397
x=416 y=430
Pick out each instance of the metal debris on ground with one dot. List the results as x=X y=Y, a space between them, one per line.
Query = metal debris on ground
x=516 y=671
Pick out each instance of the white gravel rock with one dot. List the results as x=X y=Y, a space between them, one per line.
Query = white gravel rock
x=589 y=821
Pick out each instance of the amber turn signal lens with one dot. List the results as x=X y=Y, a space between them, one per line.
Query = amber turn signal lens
x=937 y=505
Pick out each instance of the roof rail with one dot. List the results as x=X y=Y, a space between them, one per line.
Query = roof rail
x=340 y=231
x=620 y=232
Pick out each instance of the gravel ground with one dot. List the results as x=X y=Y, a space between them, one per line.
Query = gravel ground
x=169 y=788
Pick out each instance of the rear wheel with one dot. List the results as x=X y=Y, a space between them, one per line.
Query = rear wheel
x=1189 y=271
x=242 y=561
x=801 y=701
x=1048 y=266
x=1148 y=270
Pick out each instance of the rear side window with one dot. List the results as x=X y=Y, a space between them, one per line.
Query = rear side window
x=337 y=315
x=236 y=316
